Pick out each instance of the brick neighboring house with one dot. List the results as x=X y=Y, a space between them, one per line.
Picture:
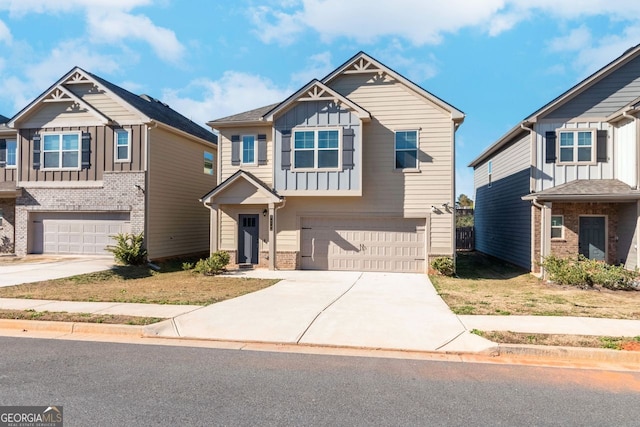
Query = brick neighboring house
x=565 y=181
x=89 y=159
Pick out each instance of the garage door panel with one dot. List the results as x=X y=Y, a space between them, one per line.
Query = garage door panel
x=368 y=244
x=77 y=233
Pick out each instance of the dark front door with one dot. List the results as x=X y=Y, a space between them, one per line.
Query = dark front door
x=592 y=242
x=248 y=239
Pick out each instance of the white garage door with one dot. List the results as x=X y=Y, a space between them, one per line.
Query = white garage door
x=365 y=244
x=76 y=233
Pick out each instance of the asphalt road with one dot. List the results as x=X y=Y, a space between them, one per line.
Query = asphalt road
x=105 y=384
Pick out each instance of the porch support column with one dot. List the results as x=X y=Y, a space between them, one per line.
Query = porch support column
x=213 y=227
x=272 y=236
x=545 y=230
x=637 y=241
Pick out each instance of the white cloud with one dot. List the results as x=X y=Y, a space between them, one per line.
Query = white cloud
x=24 y=7
x=5 y=33
x=576 y=40
x=115 y=26
x=318 y=66
x=233 y=93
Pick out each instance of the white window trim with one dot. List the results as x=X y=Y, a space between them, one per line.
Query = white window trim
x=115 y=145
x=395 y=150
x=60 y=168
x=8 y=166
x=575 y=131
x=316 y=149
x=255 y=150
x=561 y=228
x=490 y=172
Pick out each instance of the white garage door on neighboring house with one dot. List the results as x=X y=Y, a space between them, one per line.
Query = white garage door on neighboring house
x=86 y=233
x=365 y=244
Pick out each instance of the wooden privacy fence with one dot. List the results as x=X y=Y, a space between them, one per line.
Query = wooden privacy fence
x=464 y=238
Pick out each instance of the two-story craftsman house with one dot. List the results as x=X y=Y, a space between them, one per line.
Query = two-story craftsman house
x=351 y=172
x=565 y=180
x=88 y=159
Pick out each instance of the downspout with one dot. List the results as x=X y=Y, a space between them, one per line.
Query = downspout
x=275 y=231
x=147 y=180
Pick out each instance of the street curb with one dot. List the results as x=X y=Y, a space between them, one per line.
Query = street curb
x=72 y=327
x=556 y=352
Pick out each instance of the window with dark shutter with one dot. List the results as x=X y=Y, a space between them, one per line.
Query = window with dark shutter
x=550 y=147
x=235 y=149
x=348 y=136
x=3 y=153
x=601 y=146
x=262 y=149
x=286 y=149
x=86 y=150
x=36 y=152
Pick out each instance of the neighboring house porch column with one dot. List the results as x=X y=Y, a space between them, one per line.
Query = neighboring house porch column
x=272 y=236
x=213 y=234
x=545 y=232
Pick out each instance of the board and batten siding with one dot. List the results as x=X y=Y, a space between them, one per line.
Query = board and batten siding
x=606 y=96
x=502 y=219
x=178 y=223
x=102 y=157
x=395 y=107
x=8 y=174
x=549 y=175
x=311 y=115
x=262 y=172
x=625 y=152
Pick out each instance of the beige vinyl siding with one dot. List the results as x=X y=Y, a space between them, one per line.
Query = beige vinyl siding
x=102 y=156
x=395 y=107
x=104 y=103
x=262 y=172
x=177 y=222
x=59 y=114
x=229 y=229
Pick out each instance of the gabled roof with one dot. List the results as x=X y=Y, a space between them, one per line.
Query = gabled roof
x=587 y=190
x=631 y=108
x=3 y=119
x=565 y=97
x=317 y=91
x=149 y=109
x=363 y=63
x=260 y=186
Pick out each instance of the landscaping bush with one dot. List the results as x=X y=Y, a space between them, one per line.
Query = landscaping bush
x=443 y=265
x=586 y=273
x=129 y=249
x=215 y=264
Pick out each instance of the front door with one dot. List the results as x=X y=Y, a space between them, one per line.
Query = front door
x=248 y=239
x=592 y=241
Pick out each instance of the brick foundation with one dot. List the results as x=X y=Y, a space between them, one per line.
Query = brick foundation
x=284 y=260
x=7 y=227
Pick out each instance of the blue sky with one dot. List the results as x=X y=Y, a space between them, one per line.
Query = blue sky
x=496 y=60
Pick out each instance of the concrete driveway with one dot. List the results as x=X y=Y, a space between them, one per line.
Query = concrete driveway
x=372 y=310
x=36 y=269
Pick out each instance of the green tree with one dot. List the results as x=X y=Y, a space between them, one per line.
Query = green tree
x=464 y=201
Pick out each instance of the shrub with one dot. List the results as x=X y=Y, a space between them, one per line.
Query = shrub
x=443 y=265
x=129 y=249
x=586 y=273
x=215 y=264
x=186 y=266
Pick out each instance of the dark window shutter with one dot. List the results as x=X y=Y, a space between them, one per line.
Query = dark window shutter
x=550 y=146
x=3 y=153
x=601 y=146
x=262 y=149
x=36 y=152
x=86 y=150
x=235 y=149
x=286 y=149
x=348 y=135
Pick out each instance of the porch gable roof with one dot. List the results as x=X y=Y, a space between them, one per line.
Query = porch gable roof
x=240 y=176
x=587 y=190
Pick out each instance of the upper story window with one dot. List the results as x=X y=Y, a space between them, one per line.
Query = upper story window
x=489 y=171
x=208 y=163
x=8 y=154
x=61 y=150
x=248 y=149
x=122 y=145
x=316 y=149
x=576 y=146
x=406 y=149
